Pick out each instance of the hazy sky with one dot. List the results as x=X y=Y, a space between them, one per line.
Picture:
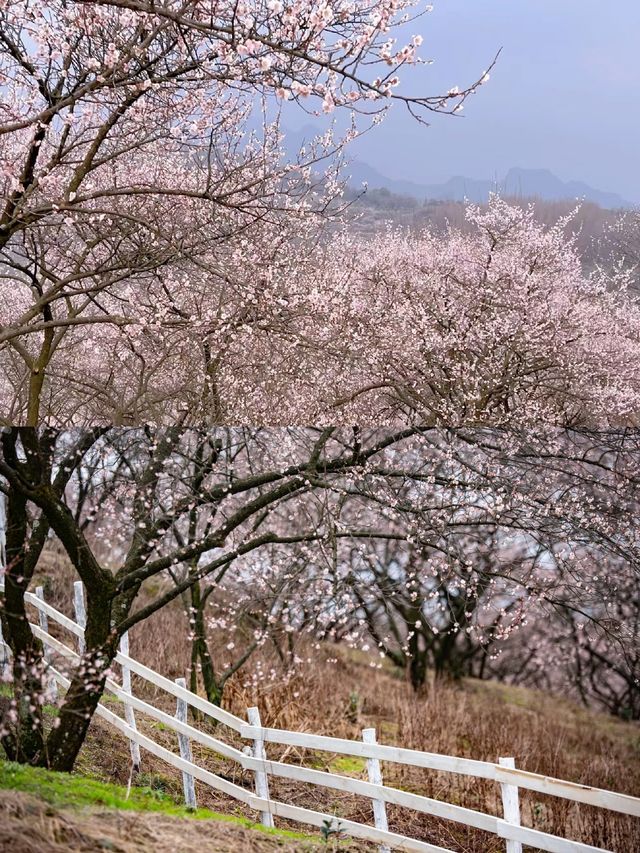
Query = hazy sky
x=565 y=94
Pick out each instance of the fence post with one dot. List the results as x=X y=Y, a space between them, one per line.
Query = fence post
x=130 y=717
x=5 y=664
x=3 y=536
x=5 y=667
x=81 y=612
x=52 y=686
x=184 y=743
x=375 y=777
x=262 y=783
x=510 y=805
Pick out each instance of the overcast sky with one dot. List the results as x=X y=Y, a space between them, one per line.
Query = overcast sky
x=565 y=94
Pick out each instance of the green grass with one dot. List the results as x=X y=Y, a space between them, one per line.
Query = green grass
x=348 y=765
x=71 y=790
x=6 y=691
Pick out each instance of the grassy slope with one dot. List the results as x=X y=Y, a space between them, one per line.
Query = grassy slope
x=77 y=790
x=39 y=809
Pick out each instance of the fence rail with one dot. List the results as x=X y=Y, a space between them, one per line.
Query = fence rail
x=254 y=759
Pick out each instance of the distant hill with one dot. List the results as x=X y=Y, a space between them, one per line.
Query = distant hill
x=523 y=183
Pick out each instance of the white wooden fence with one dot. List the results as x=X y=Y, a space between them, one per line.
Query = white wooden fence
x=254 y=758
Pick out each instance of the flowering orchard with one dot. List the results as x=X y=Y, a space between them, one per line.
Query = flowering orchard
x=163 y=260
x=166 y=269
x=430 y=547
x=149 y=210
x=498 y=326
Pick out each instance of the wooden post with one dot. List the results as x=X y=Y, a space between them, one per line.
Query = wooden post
x=3 y=537
x=262 y=782
x=5 y=669
x=375 y=777
x=81 y=612
x=52 y=685
x=5 y=665
x=510 y=805
x=130 y=717
x=184 y=743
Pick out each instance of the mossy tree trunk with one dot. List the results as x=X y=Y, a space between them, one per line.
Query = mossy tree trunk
x=64 y=742
x=31 y=480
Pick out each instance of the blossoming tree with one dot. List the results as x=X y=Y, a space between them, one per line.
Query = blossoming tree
x=127 y=166
x=146 y=516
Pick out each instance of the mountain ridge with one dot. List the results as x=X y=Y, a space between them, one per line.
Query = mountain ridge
x=518 y=181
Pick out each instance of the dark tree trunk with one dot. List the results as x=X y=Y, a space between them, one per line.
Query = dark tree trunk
x=448 y=664
x=87 y=682
x=200 y=654
x=417 y=658
x=25 y=741
x=32 y=482
x=82 y=698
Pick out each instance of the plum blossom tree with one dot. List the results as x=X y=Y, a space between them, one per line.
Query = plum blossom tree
x=155 y=349
x=152 y=481
x=427 y=617
x=237 y=614
x=145 y=515
x=499 y=325
x=579 y=638
x=504 y=548
x=587 y=648
x=127 y=167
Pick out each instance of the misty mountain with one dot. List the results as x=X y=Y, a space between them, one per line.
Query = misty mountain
x=518 y=182
x=522 y=183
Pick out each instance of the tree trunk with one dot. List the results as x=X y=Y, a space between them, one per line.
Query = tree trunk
x=417 y=660
x=449 y=663
x=25 y=741
x=87 y=683
x=38 y=371
x=200 y=654
x=82 y=698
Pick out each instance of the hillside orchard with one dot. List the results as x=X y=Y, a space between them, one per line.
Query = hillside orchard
x=466 y=501
x=436 y=548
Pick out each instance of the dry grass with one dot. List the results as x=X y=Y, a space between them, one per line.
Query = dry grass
x=479 y=720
